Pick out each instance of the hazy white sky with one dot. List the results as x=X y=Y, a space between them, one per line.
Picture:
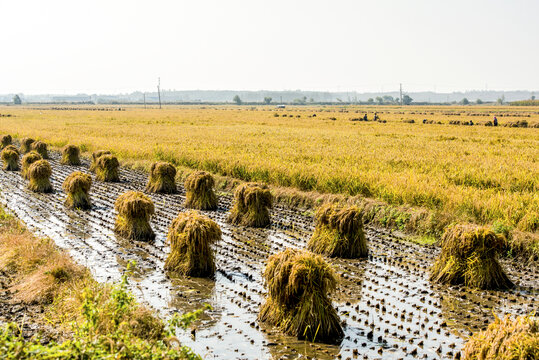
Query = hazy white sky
x=116 y=46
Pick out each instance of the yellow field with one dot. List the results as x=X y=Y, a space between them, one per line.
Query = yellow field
x=473 y=173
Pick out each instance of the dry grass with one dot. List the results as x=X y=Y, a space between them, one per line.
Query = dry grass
x=199 y=191
x=505 y=339
x=77 y=186
x=26 y=145
x=107 y=168
x=469 y=257
x=162 y=178
x=134 y=212
x=45 y=275
x=299 y=285
x=10 y=157
x=41 y=148
x=191 y=236
x=251 y=205
x=96 y=155
x=27 y=160
x=339 y=232
x=70 y=155
x=39 y=174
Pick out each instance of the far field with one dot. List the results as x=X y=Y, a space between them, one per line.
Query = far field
x=482 y=174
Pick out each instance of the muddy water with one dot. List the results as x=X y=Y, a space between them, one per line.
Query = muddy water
x=389 y=308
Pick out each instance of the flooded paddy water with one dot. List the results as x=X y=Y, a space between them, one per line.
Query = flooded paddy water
x=389 y=308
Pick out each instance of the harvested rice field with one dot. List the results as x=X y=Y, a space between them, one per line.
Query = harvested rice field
x=388 y=307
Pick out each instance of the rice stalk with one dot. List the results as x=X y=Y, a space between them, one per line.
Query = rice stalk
x=251 y=206
x=5 y=141
x=339 y=232
x=299 y=284
x=10 y=157
x=26 y=144
x=107 y=168
x=199 y=191
x=96 y=155
x=41 y=148
x=191 y=236
x=70 y=155
x=27 y=160
x=505 y=339
x=469 y=257
x=77 y=186
x=162 y=178
x=39 y=174
x=133 y=219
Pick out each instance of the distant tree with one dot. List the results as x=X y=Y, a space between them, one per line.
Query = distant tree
x=267 y=100
x=479 y=101
x=465 y=101
x=388 y=99
x=17 y=100
x=370 y=100
x=379 y=100
x=407 y=100
x=533 y=97
x=311 y=100
x=501 y=100
x=237 y=100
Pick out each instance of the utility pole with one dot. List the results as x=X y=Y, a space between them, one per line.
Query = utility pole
x=401 y=93
x=159 y=90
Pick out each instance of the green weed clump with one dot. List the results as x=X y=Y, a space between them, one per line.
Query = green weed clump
x=77 y=186
x=299 y=285
x=96 y=155
x=191 y=236
x=111 y=325
x=339 y=232
x=134 y=212
x=107 y=168
x=469 y=257
x=70 y=155
x=162 y=178
x=199 y=191
x=41 y=148
x=505 y=339
x=26 y=145
x=27 y=160
x=251 y=206
x=39 y=174
x=5 y=140
x=10 y=157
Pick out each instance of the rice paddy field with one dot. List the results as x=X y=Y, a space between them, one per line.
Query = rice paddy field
x=482 y=174
x=387 y=305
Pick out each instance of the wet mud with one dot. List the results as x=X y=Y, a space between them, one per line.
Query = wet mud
x=389 y=308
